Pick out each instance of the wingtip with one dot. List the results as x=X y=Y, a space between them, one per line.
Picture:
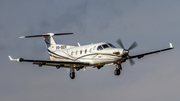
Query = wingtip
x=22 y=37
x=171 y=46
x=10 y=58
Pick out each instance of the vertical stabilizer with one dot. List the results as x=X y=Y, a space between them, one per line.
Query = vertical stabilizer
x=49 y=40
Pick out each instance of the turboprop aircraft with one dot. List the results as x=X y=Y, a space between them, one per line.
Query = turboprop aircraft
x=79 y=57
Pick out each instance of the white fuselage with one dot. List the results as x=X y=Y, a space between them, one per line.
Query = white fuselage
x=95 y=54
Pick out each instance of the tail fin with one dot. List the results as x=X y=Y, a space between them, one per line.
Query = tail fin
x=48 y=38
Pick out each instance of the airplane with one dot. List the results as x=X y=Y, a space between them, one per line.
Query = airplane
x=79 y=57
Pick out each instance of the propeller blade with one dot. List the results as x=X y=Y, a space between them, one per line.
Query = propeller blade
x=120 y=43
x=131 y=62
x=133 y=45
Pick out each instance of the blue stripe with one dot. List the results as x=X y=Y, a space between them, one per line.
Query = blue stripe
x=86 y=55
x=96 y=54
x=57 y=54
x=112 y=55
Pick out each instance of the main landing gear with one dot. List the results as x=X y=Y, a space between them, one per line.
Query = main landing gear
x=72 y=72
x=72 y=75
x=118 y=69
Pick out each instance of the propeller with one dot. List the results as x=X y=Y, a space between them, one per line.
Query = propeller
x=126 y=51
x=131 y=62
x=134 y=45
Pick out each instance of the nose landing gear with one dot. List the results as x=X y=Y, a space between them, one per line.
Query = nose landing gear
x=117 y=70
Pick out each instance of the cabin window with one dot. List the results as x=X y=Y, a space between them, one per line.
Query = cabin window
x=85 y=51
x=76 y=52
x=90 y=50
x=94 y=47
x=99 y=48
x=81 y=52
x=72 y=53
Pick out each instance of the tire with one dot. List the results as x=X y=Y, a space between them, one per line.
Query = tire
x=117 y=72
x=72 y=75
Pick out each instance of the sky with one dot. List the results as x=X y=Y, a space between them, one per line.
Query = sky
x=153 y=24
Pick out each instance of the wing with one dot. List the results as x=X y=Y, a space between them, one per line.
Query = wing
x=51 y=63
x=148 y=53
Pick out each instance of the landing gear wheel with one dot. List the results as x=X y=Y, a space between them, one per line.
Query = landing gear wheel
x=117 y=72
x=72 y=75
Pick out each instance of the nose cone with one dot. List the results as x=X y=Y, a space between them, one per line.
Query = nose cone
x=125 y=51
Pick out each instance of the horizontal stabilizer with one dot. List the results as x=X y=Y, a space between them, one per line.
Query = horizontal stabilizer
x=18 y=60
x=45 y=34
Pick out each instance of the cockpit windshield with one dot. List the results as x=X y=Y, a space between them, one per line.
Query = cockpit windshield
x=99 y=48
x=111 y=45
x=105 y=46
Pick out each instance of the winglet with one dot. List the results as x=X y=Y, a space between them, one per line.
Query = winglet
x=10 y=58
x=171 y=46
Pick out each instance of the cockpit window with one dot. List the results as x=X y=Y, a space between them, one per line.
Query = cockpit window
x=105 y=46
x=111 y=45
x=99 y=48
